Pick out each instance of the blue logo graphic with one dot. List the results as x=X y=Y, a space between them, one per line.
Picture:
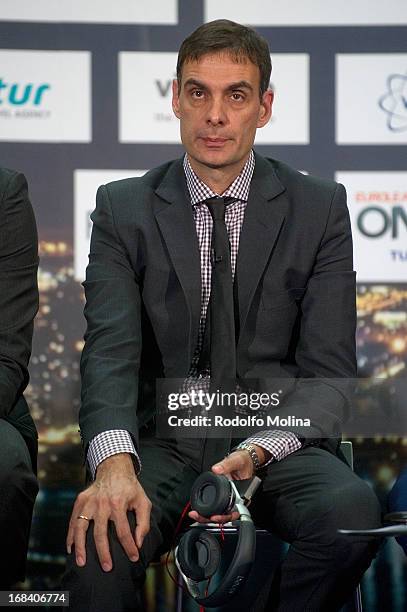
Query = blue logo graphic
x=19 y=95
x=394 y=102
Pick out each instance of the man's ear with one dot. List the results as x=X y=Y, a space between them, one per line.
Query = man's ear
x=175 y=98
x=266 y=105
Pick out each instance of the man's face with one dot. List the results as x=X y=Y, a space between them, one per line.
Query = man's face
x=219 y=108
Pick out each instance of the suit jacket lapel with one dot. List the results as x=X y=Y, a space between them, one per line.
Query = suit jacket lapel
x=264 y=216
x=174 y=215
x=261 y=226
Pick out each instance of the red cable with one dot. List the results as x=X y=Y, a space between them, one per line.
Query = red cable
x=178 y=527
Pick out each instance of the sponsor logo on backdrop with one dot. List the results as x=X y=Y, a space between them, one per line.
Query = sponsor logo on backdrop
x=145 y=86
x=86 y=183
x=371 y=98
x=23 y=99
x=45 y=96
x=394 y=102
x=378 y=210
x=312 y=12
x=89 y=11
x=290 y=81
x=145 y=91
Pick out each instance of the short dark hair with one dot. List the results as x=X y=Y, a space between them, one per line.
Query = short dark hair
x=237 y=40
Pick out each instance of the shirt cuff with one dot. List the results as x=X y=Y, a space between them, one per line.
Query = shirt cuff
x=279 y=443
x=110 y=443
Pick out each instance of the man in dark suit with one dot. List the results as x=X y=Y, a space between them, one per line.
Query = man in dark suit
x=147 y=288
x=18 y=436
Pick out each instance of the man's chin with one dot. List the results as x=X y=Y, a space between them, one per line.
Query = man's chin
x=214 y=165
x=213 y=161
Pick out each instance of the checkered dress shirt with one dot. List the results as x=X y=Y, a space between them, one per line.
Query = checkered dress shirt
x=278 y=443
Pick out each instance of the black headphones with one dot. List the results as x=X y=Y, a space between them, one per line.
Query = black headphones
x=198 y=553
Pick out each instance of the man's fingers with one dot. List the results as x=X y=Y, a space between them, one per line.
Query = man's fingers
x=232 y=462
x=124 y=536
x=72 y=525
x=216 y=518
x=143 y=512
x=102 y=543
x=79 y=539
x=221 y=518
x=101 y=505
x=69 y=538
x=225 y=518
x=198 y=517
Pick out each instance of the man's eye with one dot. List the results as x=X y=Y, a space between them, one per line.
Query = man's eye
x=237 y=96
x=197 y=93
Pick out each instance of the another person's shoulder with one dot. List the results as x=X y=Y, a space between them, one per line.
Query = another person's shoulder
x=11 y=182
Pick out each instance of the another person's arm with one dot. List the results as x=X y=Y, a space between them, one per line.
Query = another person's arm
x=18 y=286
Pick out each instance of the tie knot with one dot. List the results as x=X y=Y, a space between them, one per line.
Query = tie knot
x=217 y=206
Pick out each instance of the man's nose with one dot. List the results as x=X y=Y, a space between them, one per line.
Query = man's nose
x=217 y=112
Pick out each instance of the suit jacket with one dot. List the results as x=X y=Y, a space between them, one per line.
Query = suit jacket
x=295 y=296
x=18 y=301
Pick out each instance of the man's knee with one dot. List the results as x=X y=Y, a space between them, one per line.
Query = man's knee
x=16 y=475
x=93 y=589
x=18 y=484
x=356 y=505
x=350 y=506
x=14 y=454
x=18 y=489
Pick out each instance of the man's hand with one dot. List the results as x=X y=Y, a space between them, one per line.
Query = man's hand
x=236 y=466
x=115 y=491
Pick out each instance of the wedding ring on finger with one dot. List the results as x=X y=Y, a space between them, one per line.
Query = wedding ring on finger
x=82 y=516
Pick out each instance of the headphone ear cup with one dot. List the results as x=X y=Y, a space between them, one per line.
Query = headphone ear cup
x=198 y=554
x=211 y=494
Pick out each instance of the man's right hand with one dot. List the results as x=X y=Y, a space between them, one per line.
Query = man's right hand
x=116 y=490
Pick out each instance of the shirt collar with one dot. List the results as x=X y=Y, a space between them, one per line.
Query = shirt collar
x=239 y=189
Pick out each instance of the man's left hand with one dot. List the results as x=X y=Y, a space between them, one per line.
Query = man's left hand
x=236 y=466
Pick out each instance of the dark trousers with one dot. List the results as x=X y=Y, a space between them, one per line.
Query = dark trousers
x=18 y=490
x=304 y=499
